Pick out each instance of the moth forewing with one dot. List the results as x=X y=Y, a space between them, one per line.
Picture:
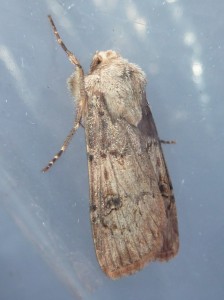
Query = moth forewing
x=132 y=208
x=128 y=208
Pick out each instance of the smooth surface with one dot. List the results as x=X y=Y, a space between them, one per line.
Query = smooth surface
x=46 y=249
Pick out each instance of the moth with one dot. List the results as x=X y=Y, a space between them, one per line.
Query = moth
x=132 y=206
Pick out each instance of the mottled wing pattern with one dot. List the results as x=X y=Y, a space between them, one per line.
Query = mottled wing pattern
x=127 y=194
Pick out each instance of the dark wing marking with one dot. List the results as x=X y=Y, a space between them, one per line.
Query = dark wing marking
x=127 y=206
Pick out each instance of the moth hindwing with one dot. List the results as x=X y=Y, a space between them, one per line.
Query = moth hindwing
x=132 y=206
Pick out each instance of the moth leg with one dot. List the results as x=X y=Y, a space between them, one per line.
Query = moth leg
x=79 y=74
x=81 y=99
x=64 y=146
x=70 y=55
x=167 y=142
x=76 y=125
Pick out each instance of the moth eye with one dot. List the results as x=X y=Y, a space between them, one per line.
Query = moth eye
x=95 y=63
x=98 y=61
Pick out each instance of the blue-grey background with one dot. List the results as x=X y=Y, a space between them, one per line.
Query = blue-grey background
x=46 y=248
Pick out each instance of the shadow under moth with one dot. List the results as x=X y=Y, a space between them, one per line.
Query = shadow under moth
x=132 y=206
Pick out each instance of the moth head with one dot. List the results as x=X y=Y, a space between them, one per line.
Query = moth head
x=101 y=58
